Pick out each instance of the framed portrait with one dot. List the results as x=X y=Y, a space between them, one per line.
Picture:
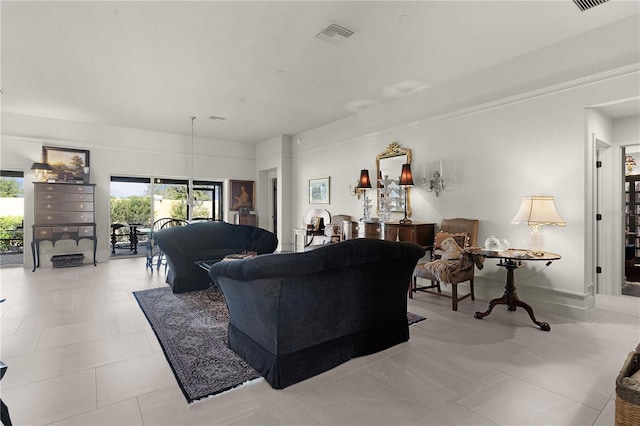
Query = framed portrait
x=242 y=195
x=319 y=190
x=67 y=164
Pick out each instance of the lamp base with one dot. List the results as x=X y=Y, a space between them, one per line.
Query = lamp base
x=405 y=220
x=535 y=242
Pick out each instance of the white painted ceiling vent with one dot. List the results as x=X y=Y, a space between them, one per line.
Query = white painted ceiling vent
x=588 y=4
x=334 y=33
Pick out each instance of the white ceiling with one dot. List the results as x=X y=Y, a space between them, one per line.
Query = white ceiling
x=152 y=65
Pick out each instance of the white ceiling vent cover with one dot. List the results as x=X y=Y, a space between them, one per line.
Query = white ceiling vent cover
x=334 y=33
x=588 y=4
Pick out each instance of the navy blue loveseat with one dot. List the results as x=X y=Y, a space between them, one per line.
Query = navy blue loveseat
x=295 y=315
x=184 y=245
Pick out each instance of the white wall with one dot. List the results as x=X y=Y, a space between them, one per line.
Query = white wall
x=626 y=130
x=118 y=151
x=273 y=158
x=491 y=158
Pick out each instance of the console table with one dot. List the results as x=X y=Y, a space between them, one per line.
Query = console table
x=511 y=260
x=419 y=233
x=63 y=211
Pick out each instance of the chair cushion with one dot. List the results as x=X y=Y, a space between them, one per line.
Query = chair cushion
x=462 y=238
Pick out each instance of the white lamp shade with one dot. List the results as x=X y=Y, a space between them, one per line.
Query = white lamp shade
x=538 y=210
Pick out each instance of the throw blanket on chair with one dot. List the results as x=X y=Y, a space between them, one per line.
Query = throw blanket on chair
x=443 y=270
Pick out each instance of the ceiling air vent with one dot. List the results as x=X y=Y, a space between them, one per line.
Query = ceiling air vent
x=334 y=33
x=588 y=4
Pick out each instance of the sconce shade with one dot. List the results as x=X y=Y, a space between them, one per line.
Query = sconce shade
x=40 y=166
x=405 y=177
x=538 y=210
x=364 y=179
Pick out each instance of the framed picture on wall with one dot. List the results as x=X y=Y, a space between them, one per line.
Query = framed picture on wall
x=319 y=190
x=67 y=164
x=242 y=195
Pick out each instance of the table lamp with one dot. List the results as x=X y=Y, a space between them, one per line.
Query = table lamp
x=536 y=211
x=405 y=180
x=364 y=183
x=41 y=170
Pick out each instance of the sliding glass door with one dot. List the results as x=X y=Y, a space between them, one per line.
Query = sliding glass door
x=130 y=199
x=145 y=200
x=11 y=218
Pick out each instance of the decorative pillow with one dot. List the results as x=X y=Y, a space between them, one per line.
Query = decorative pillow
x=450 y=250
x=462 y=238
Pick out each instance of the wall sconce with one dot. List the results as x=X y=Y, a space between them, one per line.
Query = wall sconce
x=436 y=184
x=355 y=191
x=405 y=180
x=41 y=170
x=363 y=184
x=537 y=211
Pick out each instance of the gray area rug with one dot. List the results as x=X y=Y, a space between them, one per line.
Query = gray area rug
x=192 y=330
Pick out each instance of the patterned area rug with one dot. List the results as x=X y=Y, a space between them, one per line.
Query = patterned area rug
x=192 y=330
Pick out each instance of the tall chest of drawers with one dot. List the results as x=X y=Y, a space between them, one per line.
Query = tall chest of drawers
x=63 y=212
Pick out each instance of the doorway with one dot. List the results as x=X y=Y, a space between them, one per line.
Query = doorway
x=631 y=283
x=274 y=202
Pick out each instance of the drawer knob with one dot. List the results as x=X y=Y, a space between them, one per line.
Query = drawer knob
x=82 y=206
x=43 y=232
x=49 y=196
x=48 y=206
x=49 y=217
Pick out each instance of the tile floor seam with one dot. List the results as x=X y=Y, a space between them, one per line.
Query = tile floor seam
x=553 y=391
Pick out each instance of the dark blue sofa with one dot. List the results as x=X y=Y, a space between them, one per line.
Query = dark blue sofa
x=295 y=315
x=184 y=245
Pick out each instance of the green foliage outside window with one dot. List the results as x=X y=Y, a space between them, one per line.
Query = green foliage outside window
x=8 y=225
x=179 y=211
x=10 y=188
x=133 y=209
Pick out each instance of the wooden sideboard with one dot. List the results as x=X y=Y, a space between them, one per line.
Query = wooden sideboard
x=245 y=219
x=419 y=233
x=63 y=211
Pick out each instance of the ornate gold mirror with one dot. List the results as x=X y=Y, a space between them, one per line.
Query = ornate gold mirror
x=391 y=196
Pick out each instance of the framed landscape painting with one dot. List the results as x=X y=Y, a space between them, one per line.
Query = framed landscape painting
x=319 y=190
x=67 y=164
x=242 y=195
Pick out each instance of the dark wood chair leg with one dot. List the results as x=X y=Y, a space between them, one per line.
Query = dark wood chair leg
x=412 y=286
x=473 y=295
x=454 y=296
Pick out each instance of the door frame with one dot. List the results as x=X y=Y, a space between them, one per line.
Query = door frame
x=609 y=203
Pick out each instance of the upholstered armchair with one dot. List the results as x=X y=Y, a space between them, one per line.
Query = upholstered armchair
x=454 y=272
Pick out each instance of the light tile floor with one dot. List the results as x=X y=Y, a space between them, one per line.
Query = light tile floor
x=80 y=352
